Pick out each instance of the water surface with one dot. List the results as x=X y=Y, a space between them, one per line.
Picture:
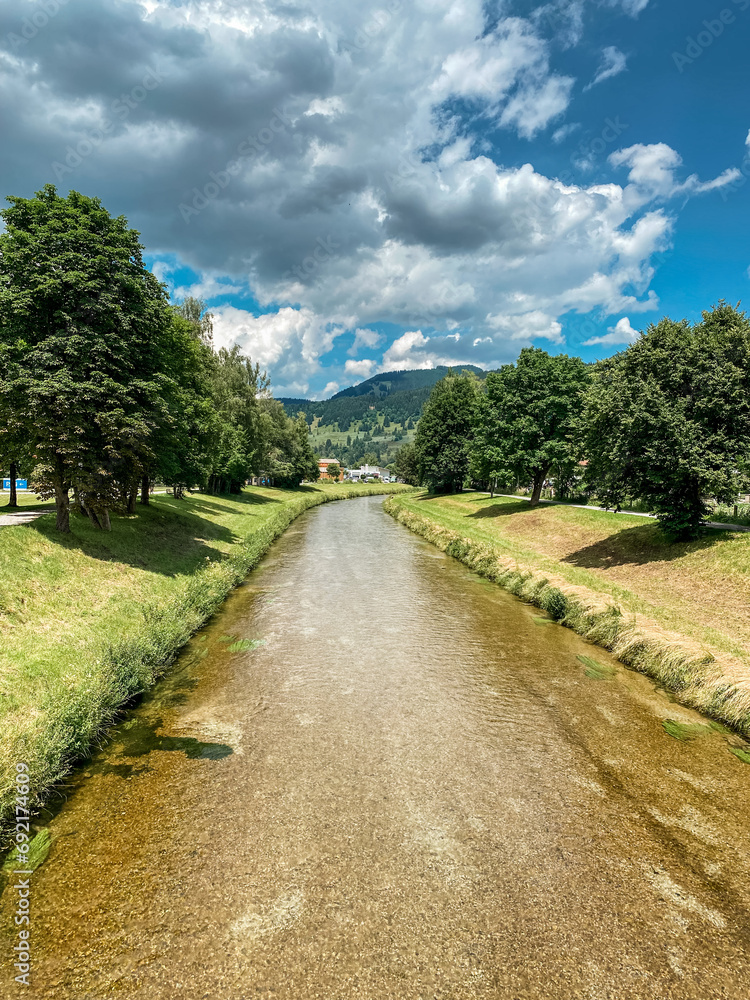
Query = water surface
x=400 y=785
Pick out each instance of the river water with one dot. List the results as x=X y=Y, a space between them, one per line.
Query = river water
x=375 y=775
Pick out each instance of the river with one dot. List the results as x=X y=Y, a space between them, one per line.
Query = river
x=375 y=775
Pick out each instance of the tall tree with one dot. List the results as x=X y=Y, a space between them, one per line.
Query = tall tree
x=288 y=457
x=668 y=420
x=443 y=435
x=405 y=465
x=237 y=446
x=529 y=418
x=81 y=325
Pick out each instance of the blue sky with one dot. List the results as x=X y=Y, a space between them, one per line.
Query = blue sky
x=356 y=188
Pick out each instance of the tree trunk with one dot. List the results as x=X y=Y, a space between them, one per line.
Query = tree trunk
x=145 y=484
x=104 y=520
x=492 y=488
x=536 y=493
x=13 y=502
x=132 y=497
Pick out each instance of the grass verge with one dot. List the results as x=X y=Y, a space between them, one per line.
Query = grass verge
x=680 y=613
x=90 y=620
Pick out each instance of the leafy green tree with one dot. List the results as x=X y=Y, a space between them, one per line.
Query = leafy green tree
x=668 y=419
x=82 y=325
x=529 y=419
x=443 y=435
x=184 y=436
x=288 y=458
x=406 y=466
x=237 y=446
x=334 y=470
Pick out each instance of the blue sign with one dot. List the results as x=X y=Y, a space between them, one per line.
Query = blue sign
x=20 y=484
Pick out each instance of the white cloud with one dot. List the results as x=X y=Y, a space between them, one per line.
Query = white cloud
x=747 y=140
x=562 y=133
x=621 y=333
x=365 y=338
x=527 y=326
x=509 y=70
x=359 y=369
x=652 y=174
x=613 y=63
x=330 y=388
x=327 y=124
x=631 y=7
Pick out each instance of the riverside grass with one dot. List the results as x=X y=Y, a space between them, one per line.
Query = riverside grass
x=684 y=620
x=90 y=620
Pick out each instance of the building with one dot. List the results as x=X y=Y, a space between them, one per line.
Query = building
x=323 y=464
x=368 y=472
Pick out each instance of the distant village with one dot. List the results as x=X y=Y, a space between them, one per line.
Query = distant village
x=363 y=473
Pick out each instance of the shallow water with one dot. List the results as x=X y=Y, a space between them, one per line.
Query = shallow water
x=411 y=789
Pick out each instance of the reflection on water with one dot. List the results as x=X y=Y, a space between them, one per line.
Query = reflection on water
x=375 y=776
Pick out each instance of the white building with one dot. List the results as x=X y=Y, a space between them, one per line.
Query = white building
x=368 y=472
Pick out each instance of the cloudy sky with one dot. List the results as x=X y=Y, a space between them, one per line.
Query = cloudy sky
x=357 y=187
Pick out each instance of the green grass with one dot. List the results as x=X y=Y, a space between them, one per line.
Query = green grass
x=91 y=619
x=25 y=499
x=679 y=612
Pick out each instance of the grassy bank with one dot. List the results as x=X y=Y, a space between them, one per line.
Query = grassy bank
x=91 y=619
x=678 y=612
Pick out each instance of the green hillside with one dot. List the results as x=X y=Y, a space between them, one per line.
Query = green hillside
x=370 y=421
x=413 y=378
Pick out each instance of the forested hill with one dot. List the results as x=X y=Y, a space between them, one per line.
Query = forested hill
x=370 y=421
x=391 y=382
x=396 y=395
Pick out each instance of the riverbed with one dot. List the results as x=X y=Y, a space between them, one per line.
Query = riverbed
x=375 y=775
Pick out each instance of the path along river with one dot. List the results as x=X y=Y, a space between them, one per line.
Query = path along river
x=412 y=789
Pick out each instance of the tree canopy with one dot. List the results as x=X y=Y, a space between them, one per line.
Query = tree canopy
x=443 y=435
x=104 y=385
x=668 y=420
x=527 y=419
x=84 y=335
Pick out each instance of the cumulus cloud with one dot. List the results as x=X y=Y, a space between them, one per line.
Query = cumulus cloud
x=621 y=333
x=362 y=369
x=365 y=338
x=310 y=159
x=613 y=63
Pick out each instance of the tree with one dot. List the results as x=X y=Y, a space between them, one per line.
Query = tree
x=529 y=418
x=288 y=458
x=405 y=465
x=668 y=419
x=333 y=470
x=237 y=446
x=82 y=322
x=444 y=432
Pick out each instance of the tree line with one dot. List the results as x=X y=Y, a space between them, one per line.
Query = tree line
x=666 y=422
x=106 y=386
